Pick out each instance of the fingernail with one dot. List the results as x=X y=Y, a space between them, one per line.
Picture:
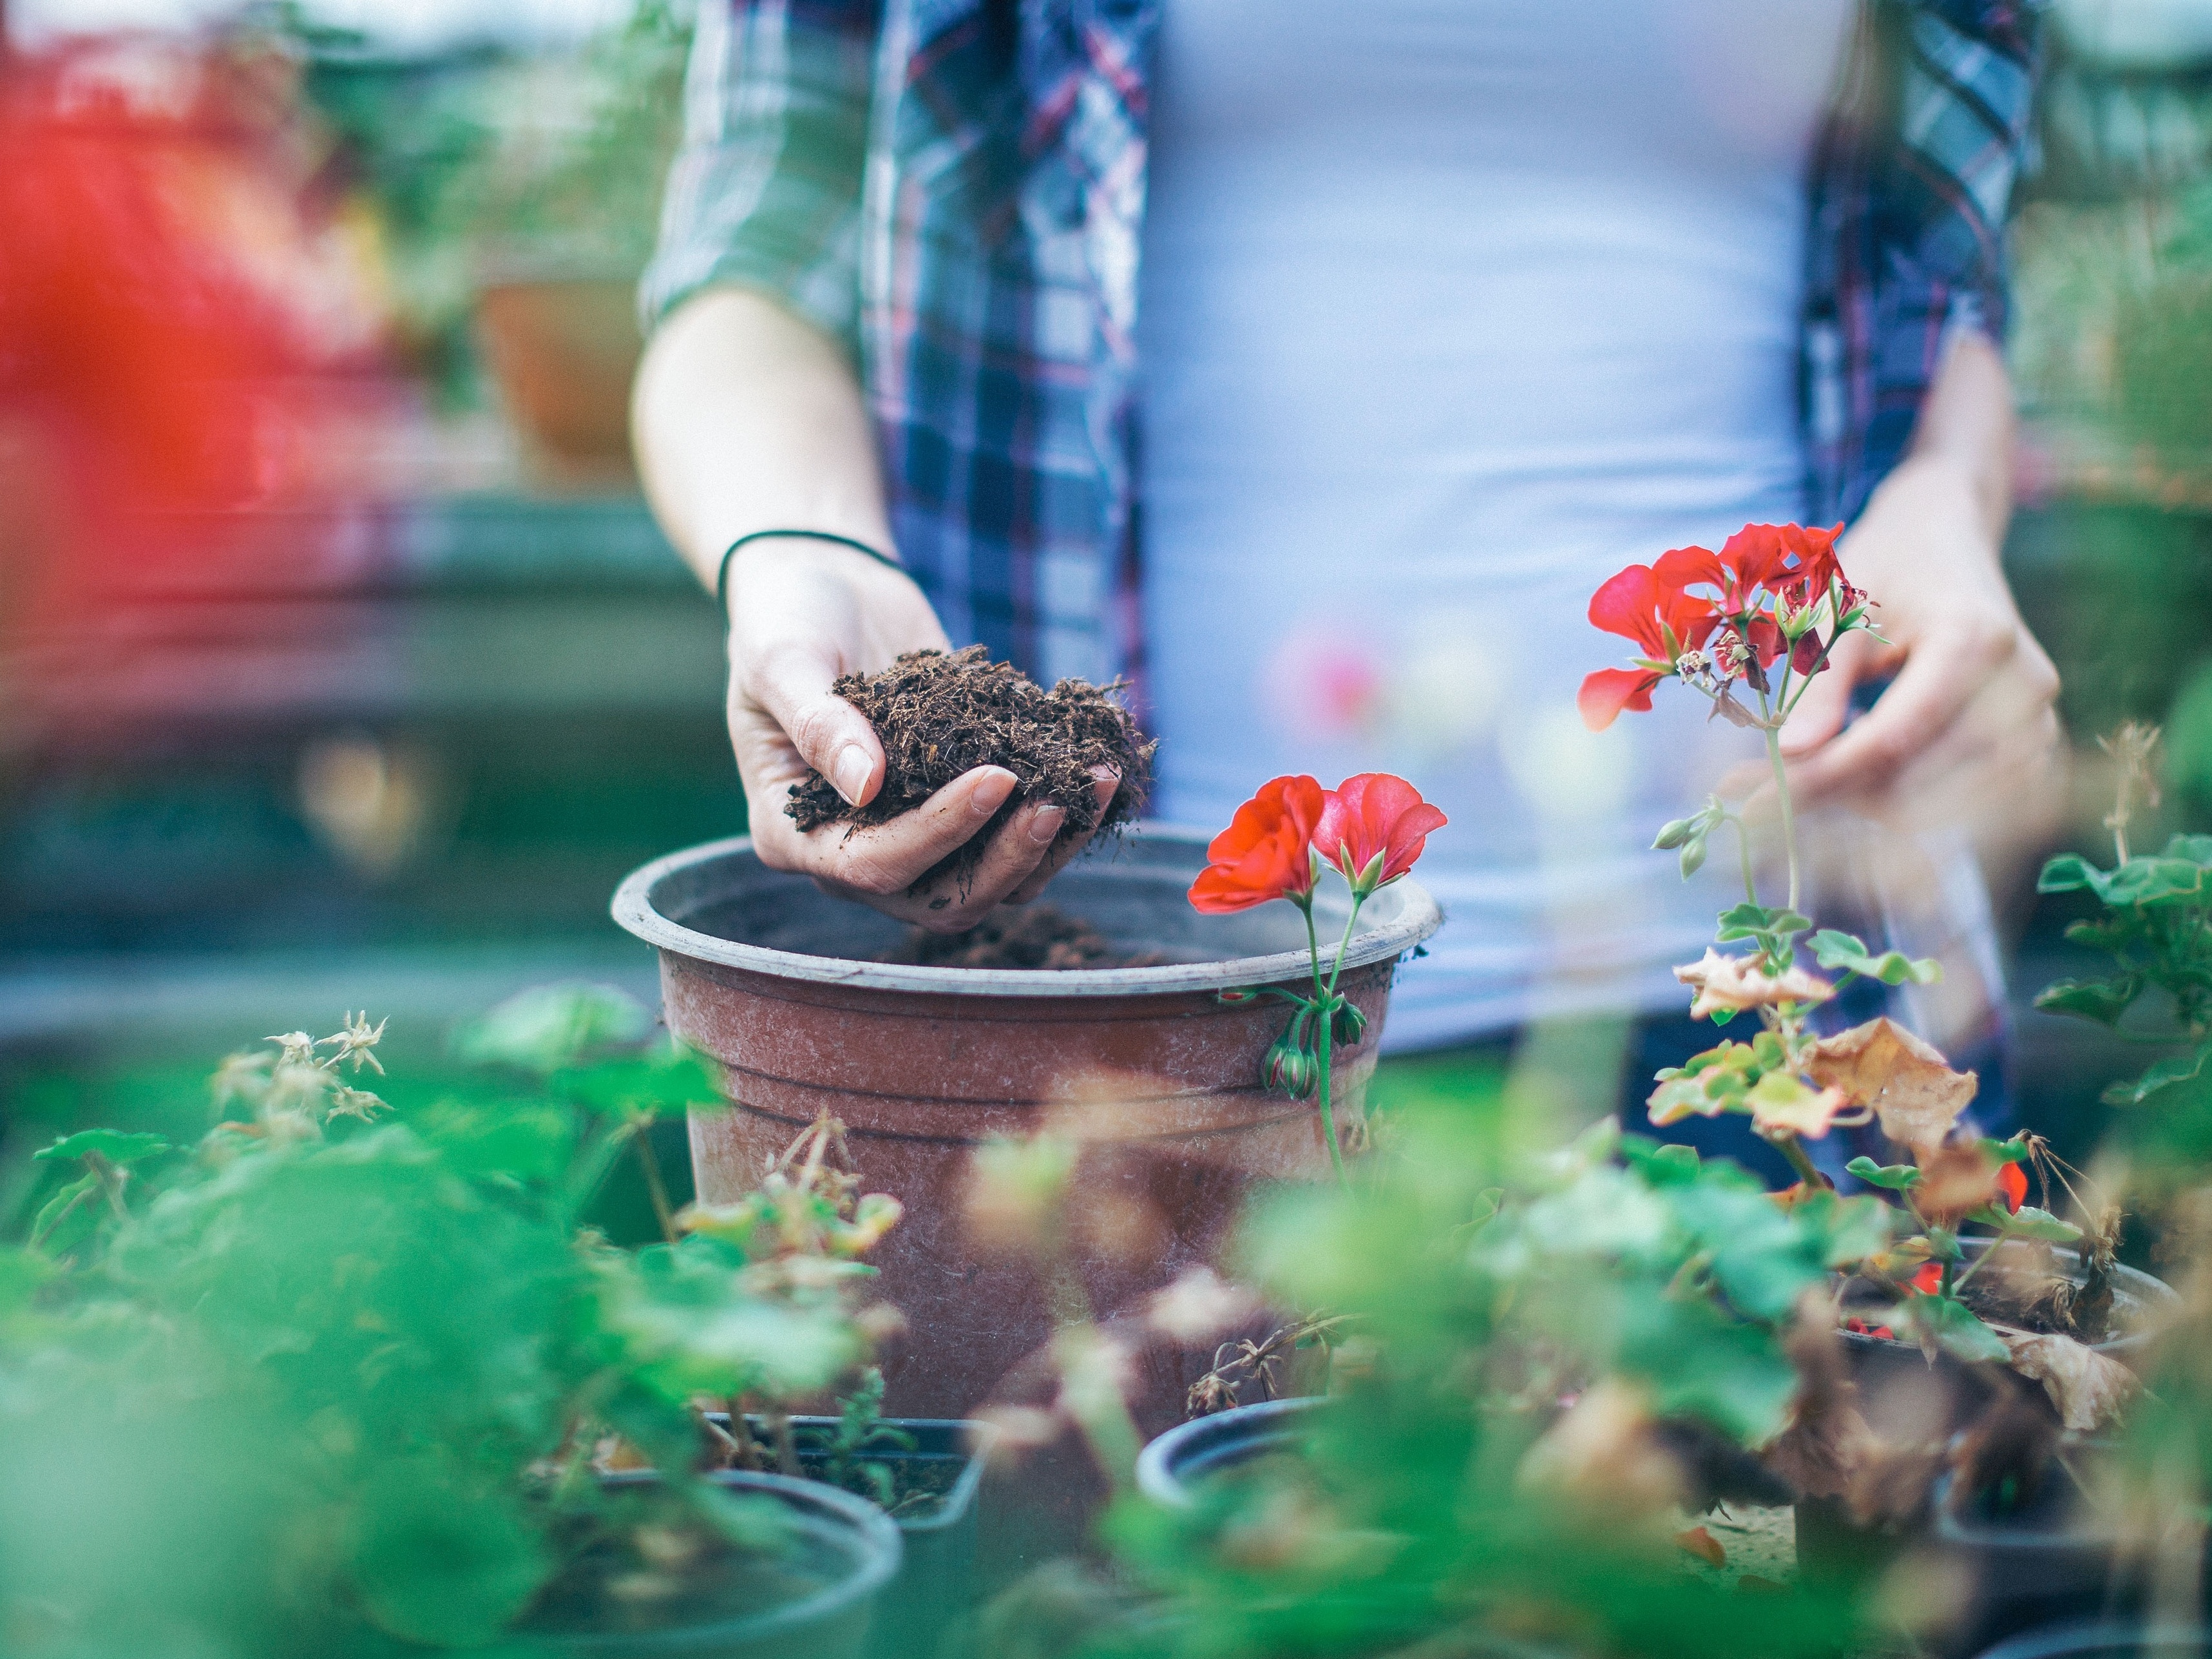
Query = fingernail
x=851 y=772
x=990 y=793
x=1045 y=826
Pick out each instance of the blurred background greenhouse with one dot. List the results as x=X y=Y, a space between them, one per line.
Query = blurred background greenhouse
x=383 y=718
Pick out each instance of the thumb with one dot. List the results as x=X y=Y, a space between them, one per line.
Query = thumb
x=792 y=682
x=1827 y=702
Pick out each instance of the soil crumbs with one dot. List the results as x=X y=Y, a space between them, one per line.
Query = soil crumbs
x=1031 y=936
x=939 y=716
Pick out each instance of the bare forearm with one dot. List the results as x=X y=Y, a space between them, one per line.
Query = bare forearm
x=747 y=418
x=1962 y=449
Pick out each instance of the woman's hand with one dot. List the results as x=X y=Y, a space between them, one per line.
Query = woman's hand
x=1966 y=731
x=802 y=612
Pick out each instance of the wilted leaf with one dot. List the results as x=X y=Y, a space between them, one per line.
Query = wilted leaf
x=1882 y=1065
x=1735 y=983
x=1955 y=1183
x=2088 y=1387
x=1781 y=1102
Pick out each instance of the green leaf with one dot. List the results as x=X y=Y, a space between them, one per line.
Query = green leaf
x=1663 y=1164
x=2166 y=1074
x=1947 y=1323
x=1831 y=948
x=438 y=1563
x=2006 y=1152
x=1847 y=1230
x=2069 y=872
x=549 y=1026
x=1897 y=1177
x=113 y=1144
x=74 y=1197
x=2195 y=849
x=2112 y=932
x=2103 y=1000
x=1749 y=920
x=2028 y=1222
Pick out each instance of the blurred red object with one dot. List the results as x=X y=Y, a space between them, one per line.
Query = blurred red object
x=171 y=309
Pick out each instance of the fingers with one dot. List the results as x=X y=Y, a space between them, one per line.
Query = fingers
x=791 y=680
x=1106 y=780
x=1940 y=677
x=1821 y=711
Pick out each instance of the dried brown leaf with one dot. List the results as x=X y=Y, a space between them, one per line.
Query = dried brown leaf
x=1733 y=984
x=2088 y=1387
x=1702 y=1545
x=1905 y=1079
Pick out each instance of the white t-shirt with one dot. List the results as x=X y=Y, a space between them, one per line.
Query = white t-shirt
x=1450 y=309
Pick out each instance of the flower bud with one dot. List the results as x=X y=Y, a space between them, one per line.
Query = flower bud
x=1291 y=1069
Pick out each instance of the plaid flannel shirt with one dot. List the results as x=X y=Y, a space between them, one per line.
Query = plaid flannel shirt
x=955 y=189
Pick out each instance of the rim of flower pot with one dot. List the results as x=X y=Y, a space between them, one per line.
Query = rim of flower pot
x=879 y=1550
x=974 y=1438
x=1262 y=1426
x=2151 y=1294
x=2102 y=1637
x=1395 y=920
x=1959 y=1523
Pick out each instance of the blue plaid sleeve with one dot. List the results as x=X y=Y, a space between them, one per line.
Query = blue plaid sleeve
x=1911 y=193
x=765 y=191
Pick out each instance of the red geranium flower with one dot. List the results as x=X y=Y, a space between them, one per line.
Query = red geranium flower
x=1787 y=561
x=1929 y=1279
x=1266 y=850
x=1373 y=827
x=2012 y=1183
x=1659 y=617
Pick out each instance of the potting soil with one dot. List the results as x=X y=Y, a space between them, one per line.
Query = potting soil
x=939 y=715
x=1030 y=936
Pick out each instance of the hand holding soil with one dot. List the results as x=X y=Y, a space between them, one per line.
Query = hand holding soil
x=1062 y=766
x=802 y=614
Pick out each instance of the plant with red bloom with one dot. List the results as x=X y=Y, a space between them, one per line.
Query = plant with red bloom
x=1369 y=828
x=1266 y=850
x=1749 y=627
x=1373 y=828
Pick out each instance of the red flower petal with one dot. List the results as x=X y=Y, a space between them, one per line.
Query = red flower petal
x=1266 y=852
x=1628 y=604
x=1609 y=691
x=2012 y=1181
x=1928 y=1280
x=1375 y=815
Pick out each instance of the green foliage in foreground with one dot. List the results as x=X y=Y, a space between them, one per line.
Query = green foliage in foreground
x=1496 y=1467
x=331 y=1383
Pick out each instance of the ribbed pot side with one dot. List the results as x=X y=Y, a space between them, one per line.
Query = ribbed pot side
x=1147 y=1069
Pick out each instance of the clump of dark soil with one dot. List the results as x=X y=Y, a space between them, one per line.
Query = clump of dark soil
x=939 y=716
x=1030 y=936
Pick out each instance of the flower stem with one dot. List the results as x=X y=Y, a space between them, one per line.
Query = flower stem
x=1788 y=823
x=1786 y=1143
x=1325 y=1016
x=1743 y=851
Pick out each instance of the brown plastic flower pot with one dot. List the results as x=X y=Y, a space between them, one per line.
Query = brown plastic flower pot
x=1147 y=1068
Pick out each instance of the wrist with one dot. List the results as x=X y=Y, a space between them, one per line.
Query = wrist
x=797 y=543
